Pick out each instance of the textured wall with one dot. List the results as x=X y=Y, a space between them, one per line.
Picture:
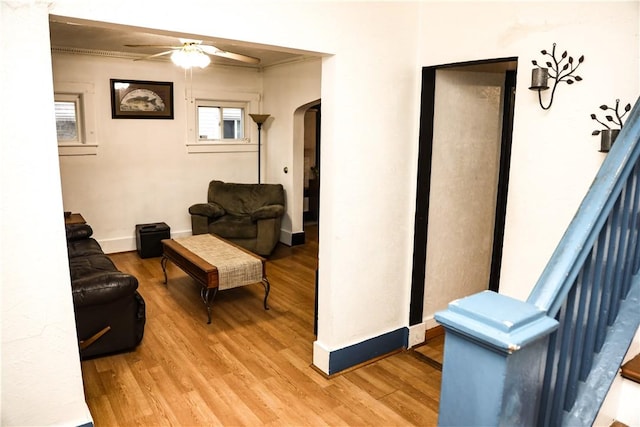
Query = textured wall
x=464 y=179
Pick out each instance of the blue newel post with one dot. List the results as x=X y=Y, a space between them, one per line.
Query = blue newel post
x=495 y=351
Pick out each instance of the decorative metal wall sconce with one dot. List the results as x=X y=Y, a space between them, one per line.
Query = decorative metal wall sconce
x=609 y=135
x=559 y=73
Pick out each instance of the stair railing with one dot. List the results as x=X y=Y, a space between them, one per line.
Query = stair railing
x=550 y=360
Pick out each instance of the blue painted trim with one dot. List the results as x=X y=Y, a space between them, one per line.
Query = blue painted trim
x=555 y=282
x=355 y=354
x=607 y=361
x=86 y=425
x=496 y=320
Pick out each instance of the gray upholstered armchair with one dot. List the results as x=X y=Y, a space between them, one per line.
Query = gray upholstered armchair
x=248 y=215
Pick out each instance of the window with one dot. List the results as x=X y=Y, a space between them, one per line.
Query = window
x=69 y=118
x=220 y=121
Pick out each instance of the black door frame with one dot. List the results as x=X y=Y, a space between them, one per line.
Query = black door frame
x=423 y=187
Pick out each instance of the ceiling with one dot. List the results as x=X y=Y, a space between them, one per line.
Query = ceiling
x=87 y=37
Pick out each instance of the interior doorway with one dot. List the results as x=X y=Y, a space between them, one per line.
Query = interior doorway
x=463 y=170
x=311 y=211
x=312 y=121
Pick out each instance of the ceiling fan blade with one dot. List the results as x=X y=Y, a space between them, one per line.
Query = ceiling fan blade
x=153 y=45
x=237 y=57
x=154 y=56
x=212 y=50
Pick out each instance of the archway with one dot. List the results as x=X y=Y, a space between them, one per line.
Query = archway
x=306 y=173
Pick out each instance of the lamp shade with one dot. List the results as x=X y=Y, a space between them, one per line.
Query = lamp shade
x=259 y=118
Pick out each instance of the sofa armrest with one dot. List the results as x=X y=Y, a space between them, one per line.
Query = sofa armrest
x=78 y=232
x=211 y=210
x=102 y=288
x=266 y=212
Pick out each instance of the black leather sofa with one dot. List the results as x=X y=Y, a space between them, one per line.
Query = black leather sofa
x=109 y=311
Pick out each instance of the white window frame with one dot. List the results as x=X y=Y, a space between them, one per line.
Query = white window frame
x=88 y=144
x=222 y=105
x=75 y=98
x=250 y=102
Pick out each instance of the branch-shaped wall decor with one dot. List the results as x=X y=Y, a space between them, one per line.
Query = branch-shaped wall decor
x=610 y=133
x=614 y=121
x=559 y=69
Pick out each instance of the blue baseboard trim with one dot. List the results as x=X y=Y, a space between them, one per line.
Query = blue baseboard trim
x=355 y=354
x=86 y=425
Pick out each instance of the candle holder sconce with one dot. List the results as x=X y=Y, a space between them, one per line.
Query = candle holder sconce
x=609 y=134
x=556 y=69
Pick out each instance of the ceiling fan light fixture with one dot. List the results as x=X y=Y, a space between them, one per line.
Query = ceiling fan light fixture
x=189 y=58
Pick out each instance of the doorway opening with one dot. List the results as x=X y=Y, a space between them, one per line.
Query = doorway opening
x=311 y=210
x=312 y=121
x=463 y=172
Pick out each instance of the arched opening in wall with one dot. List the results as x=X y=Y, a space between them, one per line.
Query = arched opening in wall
x=311 y=209
x=306 y=154
x=307 y=157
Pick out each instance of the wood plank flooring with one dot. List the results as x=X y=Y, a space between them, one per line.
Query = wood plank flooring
x=249 y=366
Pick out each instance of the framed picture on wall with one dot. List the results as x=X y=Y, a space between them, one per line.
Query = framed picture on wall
x=139 y=99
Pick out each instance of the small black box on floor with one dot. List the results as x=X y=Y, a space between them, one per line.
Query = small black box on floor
x=148 y=237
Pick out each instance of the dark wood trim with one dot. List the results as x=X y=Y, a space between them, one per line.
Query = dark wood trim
x=474 y=63
x=434 y=332
x=503 y=179
x=317 y=214
x=297 y=238
x=423 y=187
x=427 y=99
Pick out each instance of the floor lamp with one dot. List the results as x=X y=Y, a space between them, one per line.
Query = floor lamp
x=259 y=119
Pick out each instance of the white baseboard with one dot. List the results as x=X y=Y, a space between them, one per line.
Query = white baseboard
x=290 y=238
x=286 y=237
x=127 y=244
x=321 y=357
x=430 y=322
x=417 y=334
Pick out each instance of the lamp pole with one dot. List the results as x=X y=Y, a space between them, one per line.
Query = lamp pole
x=259 y=119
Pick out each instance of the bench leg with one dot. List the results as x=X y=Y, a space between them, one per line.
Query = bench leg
x=163 y=263
x=207 y=295
x=267 y=288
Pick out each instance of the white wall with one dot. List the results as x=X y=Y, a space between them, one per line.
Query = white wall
x=142 y=171
x=365 y=156
x=41 y=378
x=554 y=156
x=139 y=169
x=370 y=97
x=286 y=88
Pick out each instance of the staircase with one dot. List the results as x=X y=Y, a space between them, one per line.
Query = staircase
x=631 y=369
x=551 y=360
x=620 y=408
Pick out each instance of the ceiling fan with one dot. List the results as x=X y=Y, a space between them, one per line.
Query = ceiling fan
x=193 y=53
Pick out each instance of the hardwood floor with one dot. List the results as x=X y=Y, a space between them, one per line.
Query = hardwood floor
x=250 y=366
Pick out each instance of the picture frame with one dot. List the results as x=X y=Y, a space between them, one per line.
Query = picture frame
x=141 y=99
